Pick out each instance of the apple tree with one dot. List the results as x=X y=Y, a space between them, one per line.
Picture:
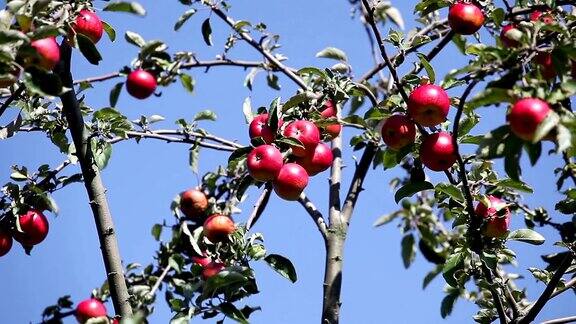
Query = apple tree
x=455 y=199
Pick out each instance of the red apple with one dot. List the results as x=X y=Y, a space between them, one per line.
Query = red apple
x=90 y=308
x=202 y=261
x=259 y=128
x=212 y=269
x=332 y=130
x=291 y=181
x=89 y=24
x=307 y=133
x=217 y=227
x=497 y=217
x=264 y=162
x=545 y=17
x=34 y=227
x=193 y=203
x=398 y=131
x=437 y=151
x=5 y=242
x=465 y=18
x=141 y=84
x=546 y=65
x=428 y=105
x=526 y=115
x=48 y=52
x=319 y=161
x=507 y=40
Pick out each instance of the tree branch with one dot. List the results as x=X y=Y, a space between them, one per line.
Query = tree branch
x=570 y=284
x=357 y=181
x=94 y=188
x=159 y=281
x=316 y=215
x=12 y=97
x=259 y=206
x=185 y=138
x=246 y=37
x=563 y=320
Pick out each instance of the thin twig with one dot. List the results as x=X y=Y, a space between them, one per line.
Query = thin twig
x=570 y=319
x=495 y=295
x=259 y=206
x=316 y=215
x=10 y=99
x=159 y=281
x=171 y=139
x=358 y=180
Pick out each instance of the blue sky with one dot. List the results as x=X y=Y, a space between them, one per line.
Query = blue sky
x=142 y=180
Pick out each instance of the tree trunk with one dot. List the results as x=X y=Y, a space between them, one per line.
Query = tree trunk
x=333 y=277
x=94 y=188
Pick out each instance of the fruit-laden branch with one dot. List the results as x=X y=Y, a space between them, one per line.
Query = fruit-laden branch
x=94 y=188
x=563 y=320
x=522 y=11
x=259 y=206
x=316 y=215
x=370 y=18
x=246 y=37
x=176 y=136
x=548 y=291
x=189 y=65
x=12 y=97
x=438 y=26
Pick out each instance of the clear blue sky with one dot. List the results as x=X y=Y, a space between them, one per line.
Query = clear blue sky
x=143 y=178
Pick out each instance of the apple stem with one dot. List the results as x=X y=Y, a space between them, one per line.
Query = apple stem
x=94 y=188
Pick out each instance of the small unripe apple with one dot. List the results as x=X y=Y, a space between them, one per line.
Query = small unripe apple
x=437 y=151
x=5 y=242
x=193 y=203
x=34 y=227
x=212 y=269
x=48 y=52
x=307 y=133
x=217 y=227
x=526 y=115
x=259 y=128
x=141 y=84
x=291 y=181
x=89 y=24
x=506 y=39
x=398 y=131
x=332 y=130
x=319 y=161
x=264 y=162
x=90 y=308
x=545 y=17
x=546 y=65
x=465 y=18
x=428 y=105
x=497 y=217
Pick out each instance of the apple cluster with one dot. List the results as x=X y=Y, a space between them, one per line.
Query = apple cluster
x=33 y=229
x=289 y=172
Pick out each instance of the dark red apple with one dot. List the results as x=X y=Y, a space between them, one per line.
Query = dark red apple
x=193 y=203
x=307 y=133
x=428 y=105
x=319 y=161
x=34 y=227
x=332 y=130
x=264 y=162
x=437 y=151
x=507 y=40
x=212 y=269
x=141 y=84
x=48 y=52
x=291 y=181
x=526 y=115
x=465 y=18
x=398 y=131
x=546 y=65
x=202 y=261
x=5 y=242
x=259 y=128
x=89 y=24
x=497 y=217
x=217 y=227
x=545 y=17
x=90 y=308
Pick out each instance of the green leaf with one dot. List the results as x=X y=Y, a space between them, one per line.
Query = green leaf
x=385 y=219
x=157 y=231
x=110 y=31
x=205 y=115
x=291 y=141
x=207 y=32
x=312 y=71
x=272 y=80
x=187 y=82
x=408 y=250
x=282 y=265
x=101 y=151
x=451 y=190
x=493 y=145
x=428 y=67
x=134 y=38
x=527 y=236
x=232 y=312
x=194 y=158
x=550 y=121
x=124 y=6
x=490 y=96
x=454 y=262
x=514 y=184
x=431 y=275
x=333 y=53
x=176 y=262
x=412 y=188
x=88 y=49
x=115 y=93
x=448 y=304
x=247 y=110
x=185 y=16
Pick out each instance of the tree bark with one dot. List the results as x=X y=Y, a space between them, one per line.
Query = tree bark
x=94 y=188
x=333 y=275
